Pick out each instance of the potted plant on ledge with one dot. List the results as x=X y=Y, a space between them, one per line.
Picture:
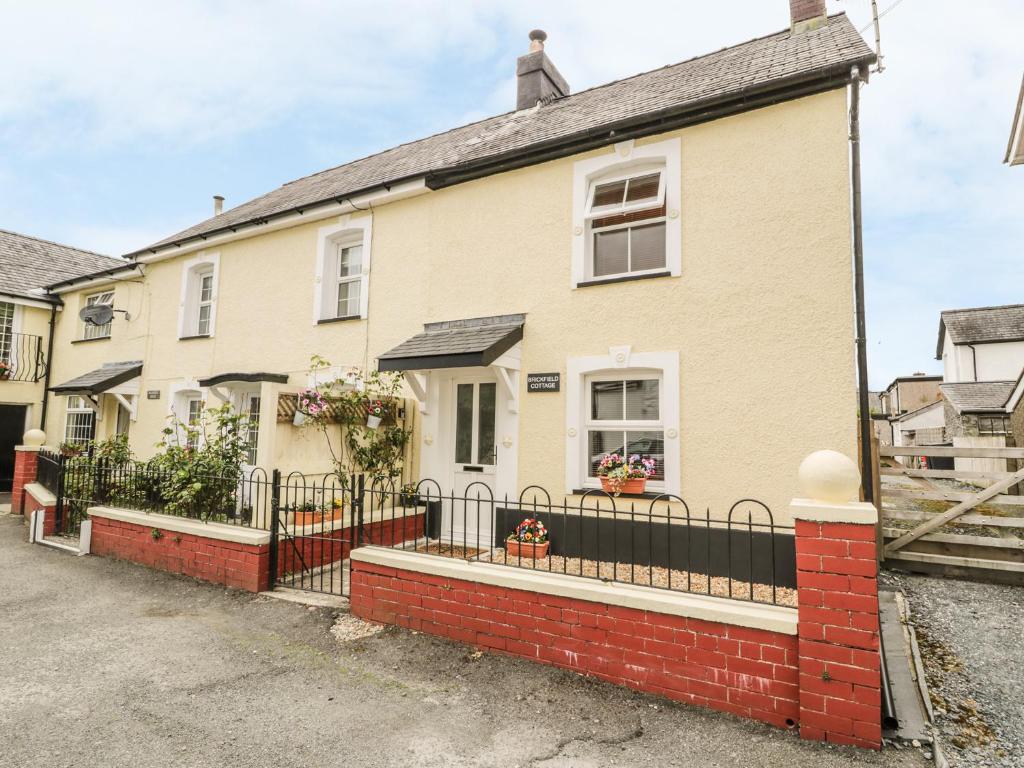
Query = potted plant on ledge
x=624 y=475
x=5 y=370
x=530 y=539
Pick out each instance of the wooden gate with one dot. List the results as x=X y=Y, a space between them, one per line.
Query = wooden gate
x=966 y=518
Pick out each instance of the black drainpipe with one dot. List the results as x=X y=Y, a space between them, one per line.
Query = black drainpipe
x=49 y=365
x=974 y=360
x=867 y=471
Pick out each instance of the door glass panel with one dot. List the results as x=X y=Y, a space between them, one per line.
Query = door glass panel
x=464 y=424
x=485 y=426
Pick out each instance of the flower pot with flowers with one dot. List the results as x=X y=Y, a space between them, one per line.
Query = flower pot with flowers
x=530 y=539
x=5 y=370
x=620 y=474
x=374 y=413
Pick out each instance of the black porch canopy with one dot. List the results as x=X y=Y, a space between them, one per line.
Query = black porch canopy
x=97 y=381
x=248 y=378
x=476 y=342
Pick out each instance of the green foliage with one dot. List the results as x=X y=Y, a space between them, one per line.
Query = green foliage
x=197 y=470
x=379 y=452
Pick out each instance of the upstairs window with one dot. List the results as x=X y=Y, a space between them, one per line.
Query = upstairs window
x=343 y=270
x=626 y=225
x=350 y=279
x=205 y=303
x=6 y=331
x=98 y=331
x=197 y=313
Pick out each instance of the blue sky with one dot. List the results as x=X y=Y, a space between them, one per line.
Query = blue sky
x=122 y=119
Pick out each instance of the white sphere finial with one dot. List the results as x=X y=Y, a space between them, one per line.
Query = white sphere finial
x=829 y=476
x=34 y=438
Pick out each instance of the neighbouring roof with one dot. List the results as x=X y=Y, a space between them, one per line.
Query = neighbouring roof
x=97 y=381
x=223 y=378
x=980 y=325
x=779 y=64
x=28 y=264
x=455 y=344
x=978 y=396
x=903 y=379
x=918 y=411
x=1015 y=146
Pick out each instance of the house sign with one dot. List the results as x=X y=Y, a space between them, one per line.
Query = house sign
x=543 y=382
x=153 y=394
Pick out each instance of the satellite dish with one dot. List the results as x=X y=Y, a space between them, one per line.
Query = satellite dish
x=97 y=314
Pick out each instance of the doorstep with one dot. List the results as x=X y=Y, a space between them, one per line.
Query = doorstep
x=303 y=597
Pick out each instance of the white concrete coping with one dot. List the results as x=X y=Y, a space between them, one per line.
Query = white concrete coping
x=222 y=532
x=774 y=618
x=29 y=448
x=41 y=494
x=370 y=517
x=857 y=512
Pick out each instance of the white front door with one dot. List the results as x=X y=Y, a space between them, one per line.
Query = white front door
x=473 y=461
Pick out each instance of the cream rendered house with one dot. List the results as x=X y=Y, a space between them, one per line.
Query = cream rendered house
x=27 y=314
x=661 y=264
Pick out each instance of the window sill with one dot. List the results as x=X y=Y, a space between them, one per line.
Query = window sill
x=197 y=336
x=622 y=279
x=86 y=341
x=328 y=320
x=647 y=495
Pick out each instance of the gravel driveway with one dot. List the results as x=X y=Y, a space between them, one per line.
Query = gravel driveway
x=110 y=664
x=973 y=650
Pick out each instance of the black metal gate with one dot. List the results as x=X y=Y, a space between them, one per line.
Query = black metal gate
x=315 y=522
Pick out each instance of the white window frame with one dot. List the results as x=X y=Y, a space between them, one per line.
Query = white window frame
x=348 y=231
x=76 y=406
x=625 y=207
x=10 y=333
x=621 y=363
x=624 y=160
x=201 y=303
x=192 y=273
x=625 y=425
x=90 y=331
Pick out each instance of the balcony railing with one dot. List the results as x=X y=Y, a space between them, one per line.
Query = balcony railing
x=21 y=357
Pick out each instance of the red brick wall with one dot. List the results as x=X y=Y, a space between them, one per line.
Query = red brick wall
x=748 y=672
x=802 y=10
x=244 y=566
x=840 y=673
x=49 y=513
x=25 y=467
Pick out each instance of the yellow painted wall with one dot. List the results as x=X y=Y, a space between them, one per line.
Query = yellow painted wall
x=762 y=315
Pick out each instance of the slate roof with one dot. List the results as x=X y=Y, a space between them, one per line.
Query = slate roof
x=101 y=379
x=978 y=396
x=474 y=342
x=981 y=324
x=28 y=262
x=738 y=72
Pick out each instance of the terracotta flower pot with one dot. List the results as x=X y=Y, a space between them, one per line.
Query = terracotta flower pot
x=5 y=375
x=315 y=518
x=633 y=485
x=527 y=549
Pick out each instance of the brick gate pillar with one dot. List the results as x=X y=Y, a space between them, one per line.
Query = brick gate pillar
x=26 y=466
x=837 y=583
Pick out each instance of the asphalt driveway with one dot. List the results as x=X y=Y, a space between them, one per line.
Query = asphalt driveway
x=111 y=664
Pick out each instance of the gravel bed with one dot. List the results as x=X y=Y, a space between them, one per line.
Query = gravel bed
x=657 y=577
x=969 y=634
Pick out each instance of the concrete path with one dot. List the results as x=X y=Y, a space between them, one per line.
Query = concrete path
x=110 y=664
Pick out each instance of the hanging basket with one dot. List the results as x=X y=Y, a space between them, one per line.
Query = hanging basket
x=373 y=421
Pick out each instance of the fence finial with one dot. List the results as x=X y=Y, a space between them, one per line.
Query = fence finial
x=829 y=476
x=34 y=438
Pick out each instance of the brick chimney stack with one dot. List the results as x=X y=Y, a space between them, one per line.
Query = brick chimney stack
x=807 y=14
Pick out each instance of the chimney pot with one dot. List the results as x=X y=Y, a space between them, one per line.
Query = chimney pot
x=807 y=14
x=218 y=205
x=537 y=79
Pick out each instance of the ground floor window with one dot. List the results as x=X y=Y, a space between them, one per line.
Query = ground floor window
x=80 y=426
x=627 y=403
x=993 y=425
x=624 y=417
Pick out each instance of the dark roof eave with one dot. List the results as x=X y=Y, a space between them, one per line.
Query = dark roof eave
x=92 y=276
x=783 y=89
x=45 y=298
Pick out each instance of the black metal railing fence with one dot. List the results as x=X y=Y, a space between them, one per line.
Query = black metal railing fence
x=21 y=357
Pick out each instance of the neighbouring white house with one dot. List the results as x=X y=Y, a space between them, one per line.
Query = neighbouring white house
x=924 y=426
x=981 y=344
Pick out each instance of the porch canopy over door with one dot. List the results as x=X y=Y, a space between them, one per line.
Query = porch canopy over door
x=120 y=380
x=479 y=342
